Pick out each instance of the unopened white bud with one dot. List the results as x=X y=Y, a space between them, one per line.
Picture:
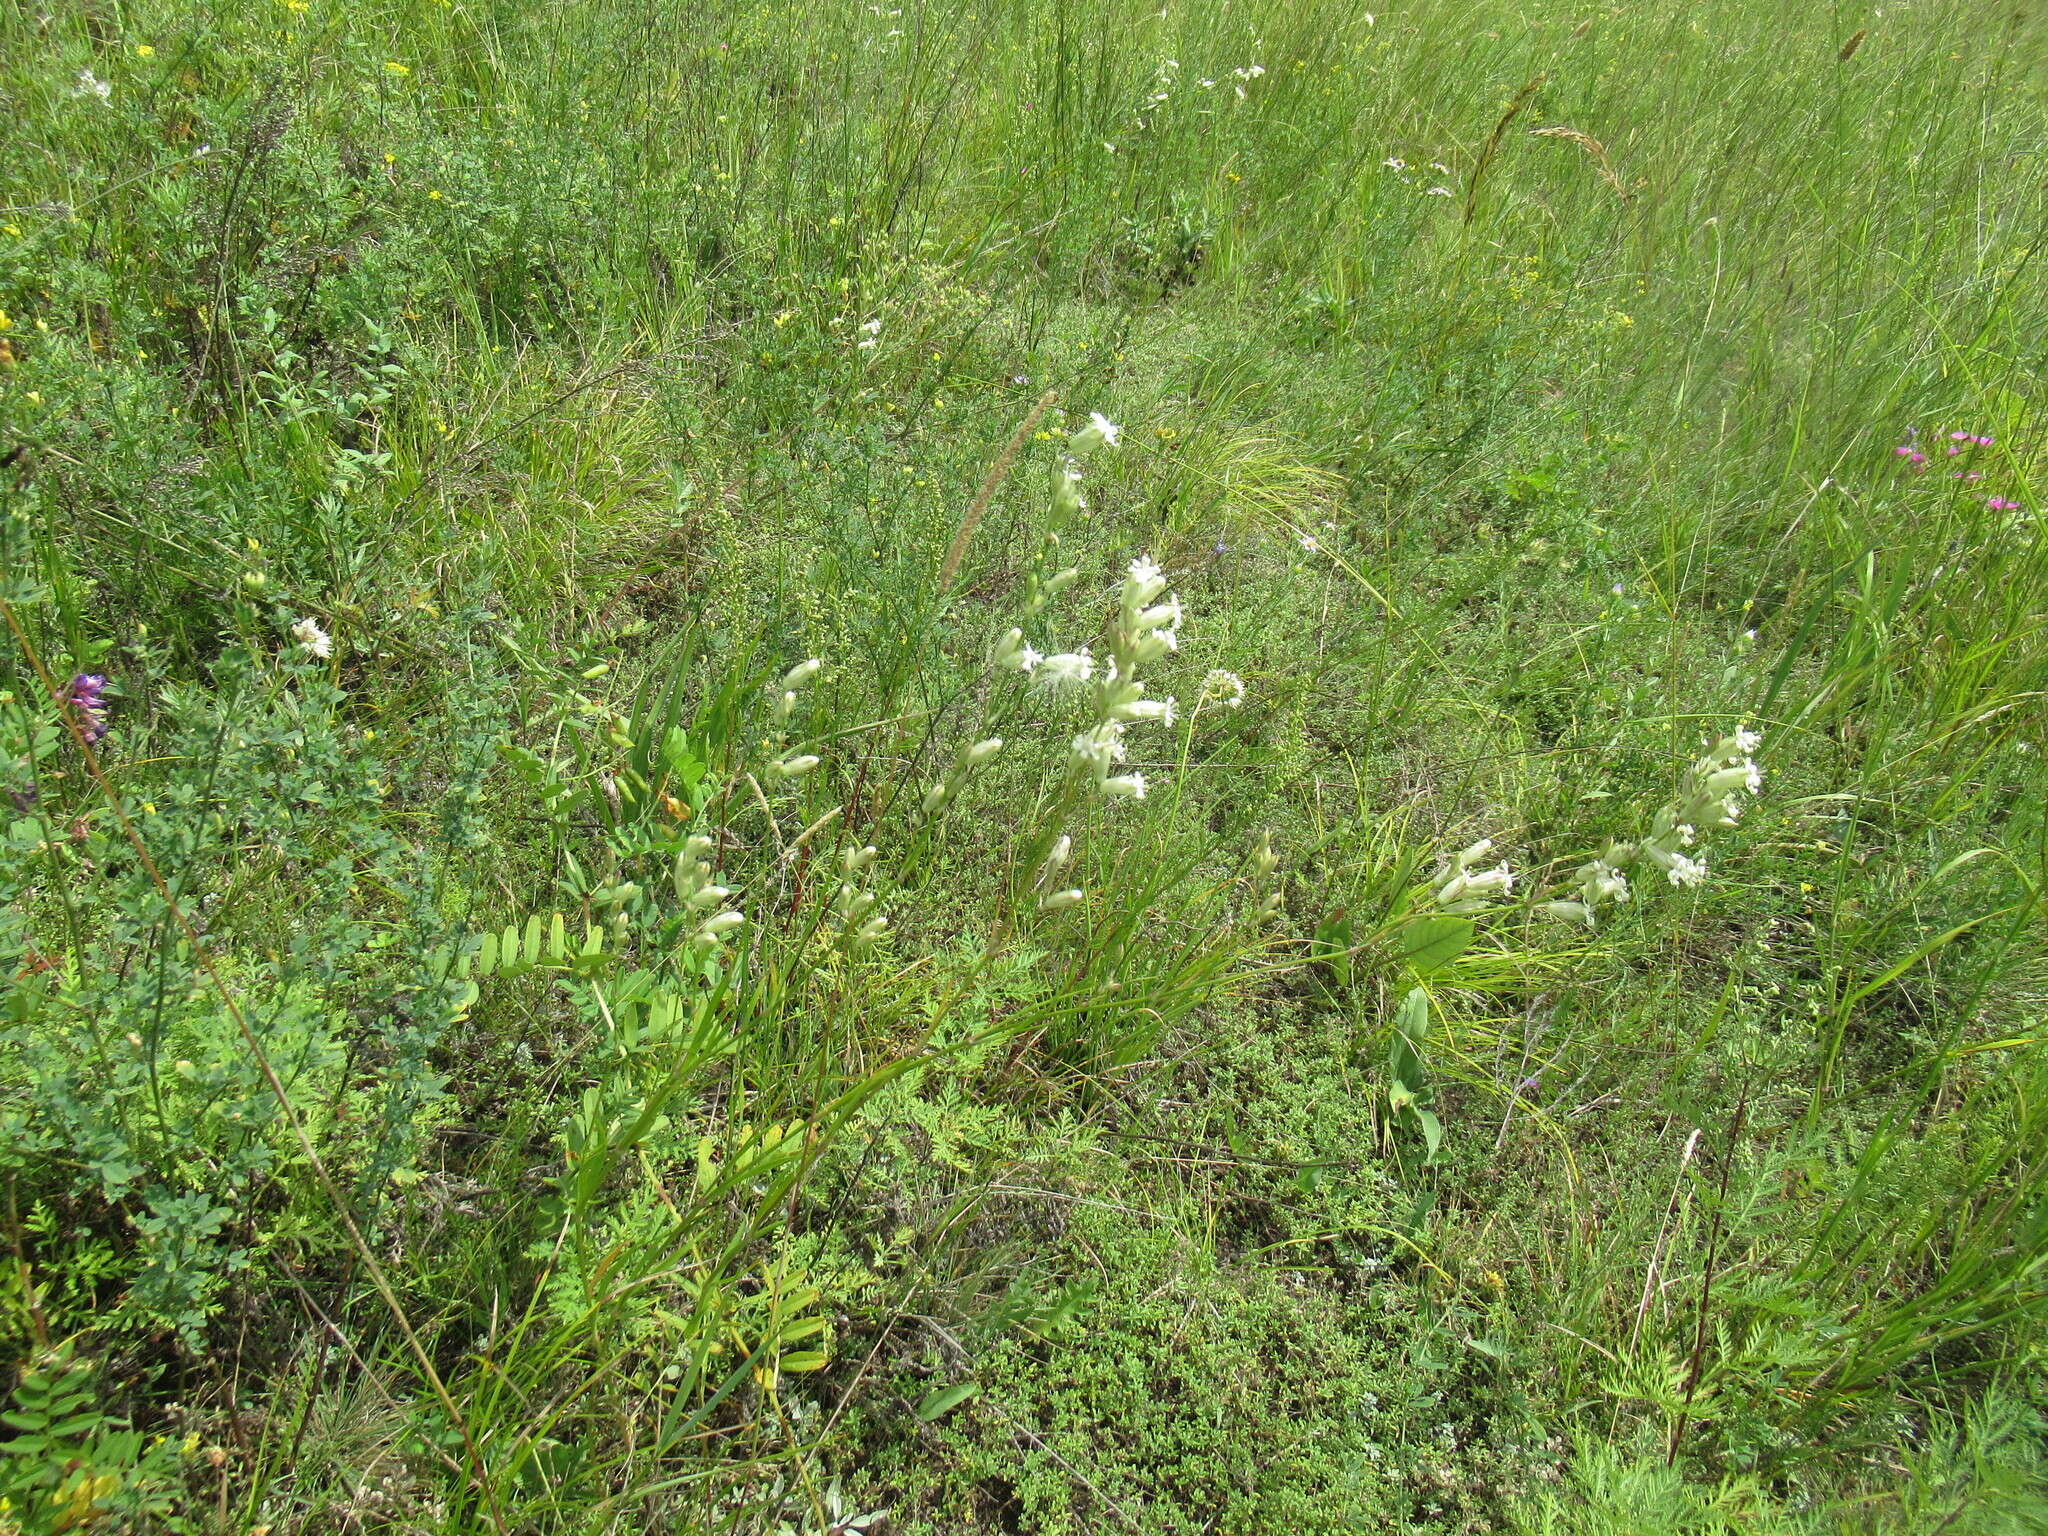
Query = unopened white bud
x=1055 y=861
x=981 y=752
x=1059 y=901
x=1129 y=786
x=793 y=767
x=802 y=673
x=853 y=860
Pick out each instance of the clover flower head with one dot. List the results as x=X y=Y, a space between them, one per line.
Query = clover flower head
x=313 y=640
x=1224 y=688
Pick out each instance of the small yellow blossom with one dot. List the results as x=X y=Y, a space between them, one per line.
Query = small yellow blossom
x=144 y=51
x=393 y=67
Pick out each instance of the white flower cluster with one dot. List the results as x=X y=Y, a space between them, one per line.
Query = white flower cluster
x=698 y=892
x=1710 y=798
x=1470 y=890
x=797 y=765
x=1146 y=629
x=856 y=907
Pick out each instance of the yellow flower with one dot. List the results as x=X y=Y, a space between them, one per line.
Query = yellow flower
x=393 y=67
x=5 y=323
x=435 y=194
x=391 y=159
x=144 y=51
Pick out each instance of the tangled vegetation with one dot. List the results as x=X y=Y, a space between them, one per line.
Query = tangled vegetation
x=973 y=767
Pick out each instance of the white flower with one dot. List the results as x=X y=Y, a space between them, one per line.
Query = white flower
x=1440 y=192
x=1068 y=668
x=1100 y=747
x=802 y=673
x=1600 y=881
x=1742 y=775
x=313 y=640
x=1395 y=163
x=1166 y=615
x=90 y=84
x=1138 y=710
x=870 y=331
x=1685 y=871
x=1014 y=653
x=1224 y=688
x=1745 y=739
x=1130 y=786
x=1687 y=835
x=1144 y=583
x=1100 y=432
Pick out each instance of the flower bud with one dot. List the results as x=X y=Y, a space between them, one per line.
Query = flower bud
x=854 y=860
x=1059 y=901
x=1129 y=786
x=723 y=923
x=937 y=796
x=1568 y=911
x=802 y=673
x=793 y=767
x=981 y=752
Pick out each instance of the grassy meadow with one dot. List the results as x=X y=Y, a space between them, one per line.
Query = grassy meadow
x=973 y=766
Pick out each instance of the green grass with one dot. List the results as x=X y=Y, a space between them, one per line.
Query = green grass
x=1515 y=401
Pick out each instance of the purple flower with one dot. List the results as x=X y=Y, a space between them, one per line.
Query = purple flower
x=85 y=696
x=1959 y=437
x=2000 y=504
x=1981 y=442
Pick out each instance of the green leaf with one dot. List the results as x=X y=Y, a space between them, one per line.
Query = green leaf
x=945 y=1400
x=1333 y=945
x=1435 y=942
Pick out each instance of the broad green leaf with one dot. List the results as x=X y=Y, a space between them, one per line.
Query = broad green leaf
x=1435 y=942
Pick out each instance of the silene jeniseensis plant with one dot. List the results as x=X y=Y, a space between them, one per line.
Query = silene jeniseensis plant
x=1710 y=797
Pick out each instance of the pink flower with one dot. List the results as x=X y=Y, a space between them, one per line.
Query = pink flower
x=1904 y=450
x=1999 y=504
x=1959 y=437
x=1981 y=442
